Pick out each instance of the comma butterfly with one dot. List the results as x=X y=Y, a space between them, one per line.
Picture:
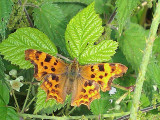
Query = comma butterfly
x=84 y=82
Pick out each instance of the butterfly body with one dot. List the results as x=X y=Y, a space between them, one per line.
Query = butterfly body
x=83 y=82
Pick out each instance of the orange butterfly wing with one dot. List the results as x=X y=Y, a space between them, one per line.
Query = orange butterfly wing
x=84 y=92
x=52 y=71
x=103 y=73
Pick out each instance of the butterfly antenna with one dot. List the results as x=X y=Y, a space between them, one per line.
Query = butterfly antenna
x=65 y=58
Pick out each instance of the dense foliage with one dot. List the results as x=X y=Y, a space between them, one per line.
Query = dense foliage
x=98 y=31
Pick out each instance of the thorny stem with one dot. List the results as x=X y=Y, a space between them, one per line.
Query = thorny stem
x=28 y=93
x=144 y=63
x=70 y=117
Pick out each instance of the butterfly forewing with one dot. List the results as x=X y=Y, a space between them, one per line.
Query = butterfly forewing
x=103 y=73
x=44 y=63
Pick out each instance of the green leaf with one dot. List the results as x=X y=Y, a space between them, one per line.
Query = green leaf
x=25 y=38
x=144 y=101
x=70 y=10
x=101 y=106
x=50 y=19
x=2 y=69
x=51 y=104
x=6 y=8
x=7 y=113
x=4 y=92
x=124 y=10
x=98 y=53
x=83 y=29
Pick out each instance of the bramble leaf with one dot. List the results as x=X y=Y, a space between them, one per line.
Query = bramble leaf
x=4 y=92
x=98 y=53
x=25 y=38
x=2 y=69
x=124 y=10
x=6 y=8
x=83 y=29
x=70 y=10
x=100 y=106
x=51 y=104
x=49 y=18
x=7 y=113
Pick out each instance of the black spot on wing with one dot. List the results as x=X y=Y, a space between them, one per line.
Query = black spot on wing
x=39 y=52
x=53 y=69
x=48 y=58
x=90 y=83
x=37 y=57
x=92 y=76
x=45 y=67
x=101 y=67
x=83 y=90
x=105 y=74
x=56 y=61
x=92 y=69
x=56 y=86
x=41 y=63
x=100 y=76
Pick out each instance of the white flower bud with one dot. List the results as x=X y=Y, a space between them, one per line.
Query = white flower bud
x=13 y=73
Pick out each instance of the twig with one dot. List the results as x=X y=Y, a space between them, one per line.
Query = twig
x=60 y=56
x=27 y=15
x=143 y=110
x=144 y=63
x=112 y=16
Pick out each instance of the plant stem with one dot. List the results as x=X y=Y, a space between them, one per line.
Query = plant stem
x=70 y=117
x=22 y=111
x=30 y=102
x=15 y=99
x=144 y=63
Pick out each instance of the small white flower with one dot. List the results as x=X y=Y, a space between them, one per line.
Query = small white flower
x=155 y=87
x=112 y=91
x=13 y=73
x=16 y=84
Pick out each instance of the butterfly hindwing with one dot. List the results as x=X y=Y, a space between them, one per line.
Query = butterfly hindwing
x=44 y=63
x=84 y=92
x=103 y=73
x=54 y=86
